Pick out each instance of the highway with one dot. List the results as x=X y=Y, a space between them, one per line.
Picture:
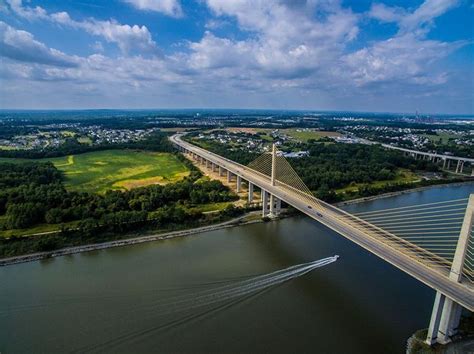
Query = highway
x=430 y=154
x=405 y=256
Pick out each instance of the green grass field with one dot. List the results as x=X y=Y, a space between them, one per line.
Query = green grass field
x=441 y=137
x=305 y=135
x=116 y=169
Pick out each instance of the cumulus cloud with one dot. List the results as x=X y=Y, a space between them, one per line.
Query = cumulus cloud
x=21 y=46
x=409 y=21
x=130 y=39
x=426 y=13
x=284 y=50
x=30 y=13
x=168 y=7
x=386 y=13
x=408 y=56
x=287 y=40
x=404 y=58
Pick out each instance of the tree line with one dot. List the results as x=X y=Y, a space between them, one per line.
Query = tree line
x=34 y=193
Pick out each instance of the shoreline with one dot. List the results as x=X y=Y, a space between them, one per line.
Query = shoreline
x=128 y=241
x=393 y=194
x=189 y=232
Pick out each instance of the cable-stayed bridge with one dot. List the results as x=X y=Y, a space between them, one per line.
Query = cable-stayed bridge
x=433 y=242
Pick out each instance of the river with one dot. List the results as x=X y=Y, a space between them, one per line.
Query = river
x=114 y=300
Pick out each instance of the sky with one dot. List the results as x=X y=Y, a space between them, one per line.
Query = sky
x=361 y=55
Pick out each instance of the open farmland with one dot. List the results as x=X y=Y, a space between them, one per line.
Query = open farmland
x=116 y=169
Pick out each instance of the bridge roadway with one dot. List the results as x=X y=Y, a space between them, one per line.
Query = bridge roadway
x=332 y=217
x=430 y=154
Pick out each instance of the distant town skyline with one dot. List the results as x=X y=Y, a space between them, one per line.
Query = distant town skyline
x=381 y=56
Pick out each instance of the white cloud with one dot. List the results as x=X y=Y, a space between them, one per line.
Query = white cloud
x=168 y=7
x=386 y=13
x=408 y=56
x=404 y=58
x=287 y=53
x=30 y=13
x=426 y=13
x=21 y=46
x=409 y=21
x=286 y=41
x=130 y=39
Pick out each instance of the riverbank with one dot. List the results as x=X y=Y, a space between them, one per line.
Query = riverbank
x=188 y=232
x=405 y=191
x=131 y=241
x=463 y=342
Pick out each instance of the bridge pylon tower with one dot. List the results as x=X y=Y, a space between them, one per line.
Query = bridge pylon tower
x=446 y=313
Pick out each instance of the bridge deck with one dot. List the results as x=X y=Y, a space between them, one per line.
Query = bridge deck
x=360 y=232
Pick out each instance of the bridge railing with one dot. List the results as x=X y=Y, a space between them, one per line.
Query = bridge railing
x=405 y=247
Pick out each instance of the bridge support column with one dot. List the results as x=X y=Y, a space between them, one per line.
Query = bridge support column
x=207 y=164
x=447 y=320
x=214 y=167
x=444 y=163
x=275 y=206
x=221 y=171
x=278 y=206
x=239 y=184
x=250 y=195
x=435 y=319
x=458 y=165
x=264 y=203
x=229 y=176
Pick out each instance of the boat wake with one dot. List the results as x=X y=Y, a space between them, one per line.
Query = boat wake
x=198 y=304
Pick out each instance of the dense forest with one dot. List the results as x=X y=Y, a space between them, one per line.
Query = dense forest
x=33 y=193
x=333 y=166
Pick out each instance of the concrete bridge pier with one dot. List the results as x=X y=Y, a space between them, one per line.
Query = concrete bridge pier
x=250 y=194
x=265 y=210
x=221 y=171
x=446 y=312
x=239 y=184
x=229 y=176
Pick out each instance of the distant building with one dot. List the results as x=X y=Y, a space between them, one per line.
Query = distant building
x=296 y=154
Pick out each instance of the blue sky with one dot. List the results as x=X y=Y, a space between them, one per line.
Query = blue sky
x=389 y=56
